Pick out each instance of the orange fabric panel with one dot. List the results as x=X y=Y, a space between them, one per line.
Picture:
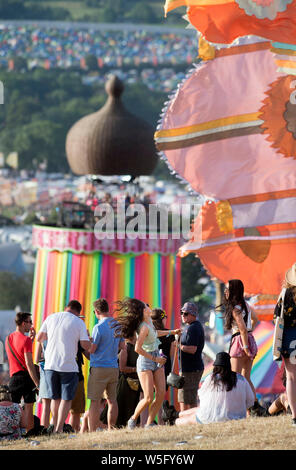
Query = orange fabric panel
x=225 y=23
x=261 y=265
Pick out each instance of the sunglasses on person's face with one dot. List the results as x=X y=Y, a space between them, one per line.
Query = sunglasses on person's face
x=184 y=314
x=28 y=321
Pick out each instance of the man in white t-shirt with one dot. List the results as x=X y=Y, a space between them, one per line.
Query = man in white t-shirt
x=63 y=331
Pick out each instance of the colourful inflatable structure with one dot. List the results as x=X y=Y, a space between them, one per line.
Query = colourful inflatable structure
x=222 y=21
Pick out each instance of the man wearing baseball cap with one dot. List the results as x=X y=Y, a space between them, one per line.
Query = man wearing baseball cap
x=190 y=356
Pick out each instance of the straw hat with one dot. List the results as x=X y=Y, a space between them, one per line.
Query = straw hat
x=291 y=275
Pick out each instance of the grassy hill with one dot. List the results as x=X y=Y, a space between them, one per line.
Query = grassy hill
x=273 y=433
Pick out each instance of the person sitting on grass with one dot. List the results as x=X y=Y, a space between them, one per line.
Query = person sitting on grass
x=224 y=395
x=12 y=417
x=280 y=404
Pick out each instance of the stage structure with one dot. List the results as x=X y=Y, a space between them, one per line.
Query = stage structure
x=73 y=264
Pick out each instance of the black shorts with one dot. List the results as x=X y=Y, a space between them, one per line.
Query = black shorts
x=21 y=386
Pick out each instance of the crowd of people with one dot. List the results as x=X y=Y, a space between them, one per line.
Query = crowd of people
x=130 y=353
x=68 y=46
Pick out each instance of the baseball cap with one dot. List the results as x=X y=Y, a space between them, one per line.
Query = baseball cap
x=190 y=307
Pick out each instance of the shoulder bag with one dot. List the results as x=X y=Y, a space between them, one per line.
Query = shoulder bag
x=175 y=380
x=278 y=330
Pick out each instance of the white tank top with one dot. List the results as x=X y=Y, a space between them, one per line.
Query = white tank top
x=235 y=328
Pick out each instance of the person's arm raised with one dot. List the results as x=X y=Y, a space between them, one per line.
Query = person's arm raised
x=168 y=332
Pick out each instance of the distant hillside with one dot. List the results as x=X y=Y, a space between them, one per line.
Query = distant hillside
x=101 y=11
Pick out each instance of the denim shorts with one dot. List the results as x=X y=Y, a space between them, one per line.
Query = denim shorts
x=43 y=389
x=146 y=364
x=61 y=384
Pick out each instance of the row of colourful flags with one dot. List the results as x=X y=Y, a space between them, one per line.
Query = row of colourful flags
x=230 y=132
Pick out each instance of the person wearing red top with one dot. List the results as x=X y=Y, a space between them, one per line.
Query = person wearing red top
x=23 y=379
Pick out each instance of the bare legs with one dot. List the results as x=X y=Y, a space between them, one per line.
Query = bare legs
x=150 y=380
x=184 y=406
x=243 y=366
x=291 y=385
x=186 y=417
x=93 y=415
x=45 y=415
x=95 y=411
x=74 y=421
x=28 y=415
x=60 y=409
x=112 y=413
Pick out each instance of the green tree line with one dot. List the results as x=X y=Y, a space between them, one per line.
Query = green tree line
x=112 y=11
x=40 y=106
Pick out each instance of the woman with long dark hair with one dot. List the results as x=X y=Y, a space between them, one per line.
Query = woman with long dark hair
x=134 y=316
x=167 y=342
x=224 y=395
x=240 y=318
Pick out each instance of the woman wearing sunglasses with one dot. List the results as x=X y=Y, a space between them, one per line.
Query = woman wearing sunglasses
x=134 y=316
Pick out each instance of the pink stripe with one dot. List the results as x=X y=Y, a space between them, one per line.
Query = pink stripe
x=74 y=289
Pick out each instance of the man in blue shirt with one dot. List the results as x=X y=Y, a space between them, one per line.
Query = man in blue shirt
x=103 y=374
x=190 y=356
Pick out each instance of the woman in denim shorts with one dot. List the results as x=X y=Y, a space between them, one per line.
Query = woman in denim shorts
x=135 y=316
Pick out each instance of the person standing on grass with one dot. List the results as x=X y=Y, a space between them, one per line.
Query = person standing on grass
x=62 y=331
x=289 y=336
x=190 y=356
x=241 y=319
x=167 y=346
x=78 y=402
x=104 y=372
x=134 y=316
x=43 y=389
x=23 y=378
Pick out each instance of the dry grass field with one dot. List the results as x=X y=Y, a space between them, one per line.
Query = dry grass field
x=273 y=433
